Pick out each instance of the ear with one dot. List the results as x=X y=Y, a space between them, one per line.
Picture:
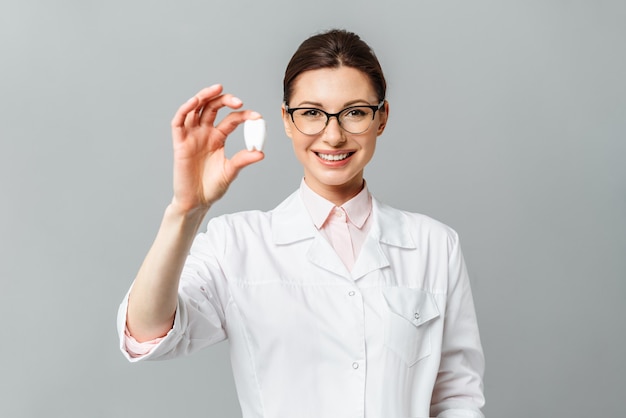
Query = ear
x=383 y=115
x=286 y=120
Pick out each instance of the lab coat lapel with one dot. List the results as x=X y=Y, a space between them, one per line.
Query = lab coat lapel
x=389 y=228
x=323 y=255
x=370 y=258
x=292 y=223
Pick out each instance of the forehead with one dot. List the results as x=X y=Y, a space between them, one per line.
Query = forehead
x=332 y=87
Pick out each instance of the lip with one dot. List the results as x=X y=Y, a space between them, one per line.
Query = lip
x=338 y=163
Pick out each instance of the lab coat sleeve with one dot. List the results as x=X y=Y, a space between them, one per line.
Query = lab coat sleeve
x=202 y=294
x=458 y=391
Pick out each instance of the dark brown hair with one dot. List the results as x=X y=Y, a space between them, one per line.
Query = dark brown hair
x=334 y=49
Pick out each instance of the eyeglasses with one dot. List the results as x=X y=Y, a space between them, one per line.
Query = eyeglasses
x=353 y=119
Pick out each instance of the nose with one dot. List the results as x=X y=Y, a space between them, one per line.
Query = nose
x=333 y=134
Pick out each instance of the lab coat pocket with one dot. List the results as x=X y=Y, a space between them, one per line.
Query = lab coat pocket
x=407 y=323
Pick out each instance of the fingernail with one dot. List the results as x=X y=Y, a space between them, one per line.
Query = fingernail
x=236 y=101
x=255 y=115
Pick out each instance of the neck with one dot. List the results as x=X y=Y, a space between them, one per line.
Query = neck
x=338 y=195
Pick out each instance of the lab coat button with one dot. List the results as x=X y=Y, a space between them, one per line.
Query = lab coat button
x=417 y=315
x=355 y=365
x=351 y=293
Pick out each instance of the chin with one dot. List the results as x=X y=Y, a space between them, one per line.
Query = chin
x=338 y=181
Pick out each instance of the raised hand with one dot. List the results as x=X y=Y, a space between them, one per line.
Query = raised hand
x=202 y=173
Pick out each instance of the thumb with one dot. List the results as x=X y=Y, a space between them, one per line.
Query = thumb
x=244 y=158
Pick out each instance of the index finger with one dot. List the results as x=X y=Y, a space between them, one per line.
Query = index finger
x=196 y=103
x=212 y=106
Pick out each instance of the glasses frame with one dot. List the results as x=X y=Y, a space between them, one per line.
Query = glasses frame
x=375 y=108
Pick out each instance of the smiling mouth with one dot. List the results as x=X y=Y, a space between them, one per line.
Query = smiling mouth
x=334 y=157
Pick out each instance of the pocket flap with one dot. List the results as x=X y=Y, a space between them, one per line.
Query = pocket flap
x=416 y=306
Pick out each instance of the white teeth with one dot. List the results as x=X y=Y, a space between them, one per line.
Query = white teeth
x=254 y=134
x=333 y=157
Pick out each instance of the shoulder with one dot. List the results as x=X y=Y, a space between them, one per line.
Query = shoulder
x=253 y=221
x=419 y=226
x=252 y=230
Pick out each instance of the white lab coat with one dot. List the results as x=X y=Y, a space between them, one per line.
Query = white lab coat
x=395 y=338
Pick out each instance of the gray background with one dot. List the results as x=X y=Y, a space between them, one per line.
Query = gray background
x=507 y=122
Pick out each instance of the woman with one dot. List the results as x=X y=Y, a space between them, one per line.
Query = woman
x=334 y=304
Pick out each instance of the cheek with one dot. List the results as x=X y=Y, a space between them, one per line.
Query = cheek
x=300 y=146
x=369 y=145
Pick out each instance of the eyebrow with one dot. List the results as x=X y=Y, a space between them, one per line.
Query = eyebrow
x=347 y=104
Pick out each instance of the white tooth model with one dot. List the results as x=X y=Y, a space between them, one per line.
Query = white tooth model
x=254 y=134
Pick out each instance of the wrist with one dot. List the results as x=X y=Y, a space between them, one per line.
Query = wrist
x=187 y=217
x=185 y=211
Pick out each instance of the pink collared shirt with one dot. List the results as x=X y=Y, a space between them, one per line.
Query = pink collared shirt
x=344 y=227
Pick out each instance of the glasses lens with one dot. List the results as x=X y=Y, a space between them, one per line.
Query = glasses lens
x=309 y=121
x=356 y=119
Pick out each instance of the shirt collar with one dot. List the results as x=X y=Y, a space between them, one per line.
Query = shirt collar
x=358 y=209
x=291 y=223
